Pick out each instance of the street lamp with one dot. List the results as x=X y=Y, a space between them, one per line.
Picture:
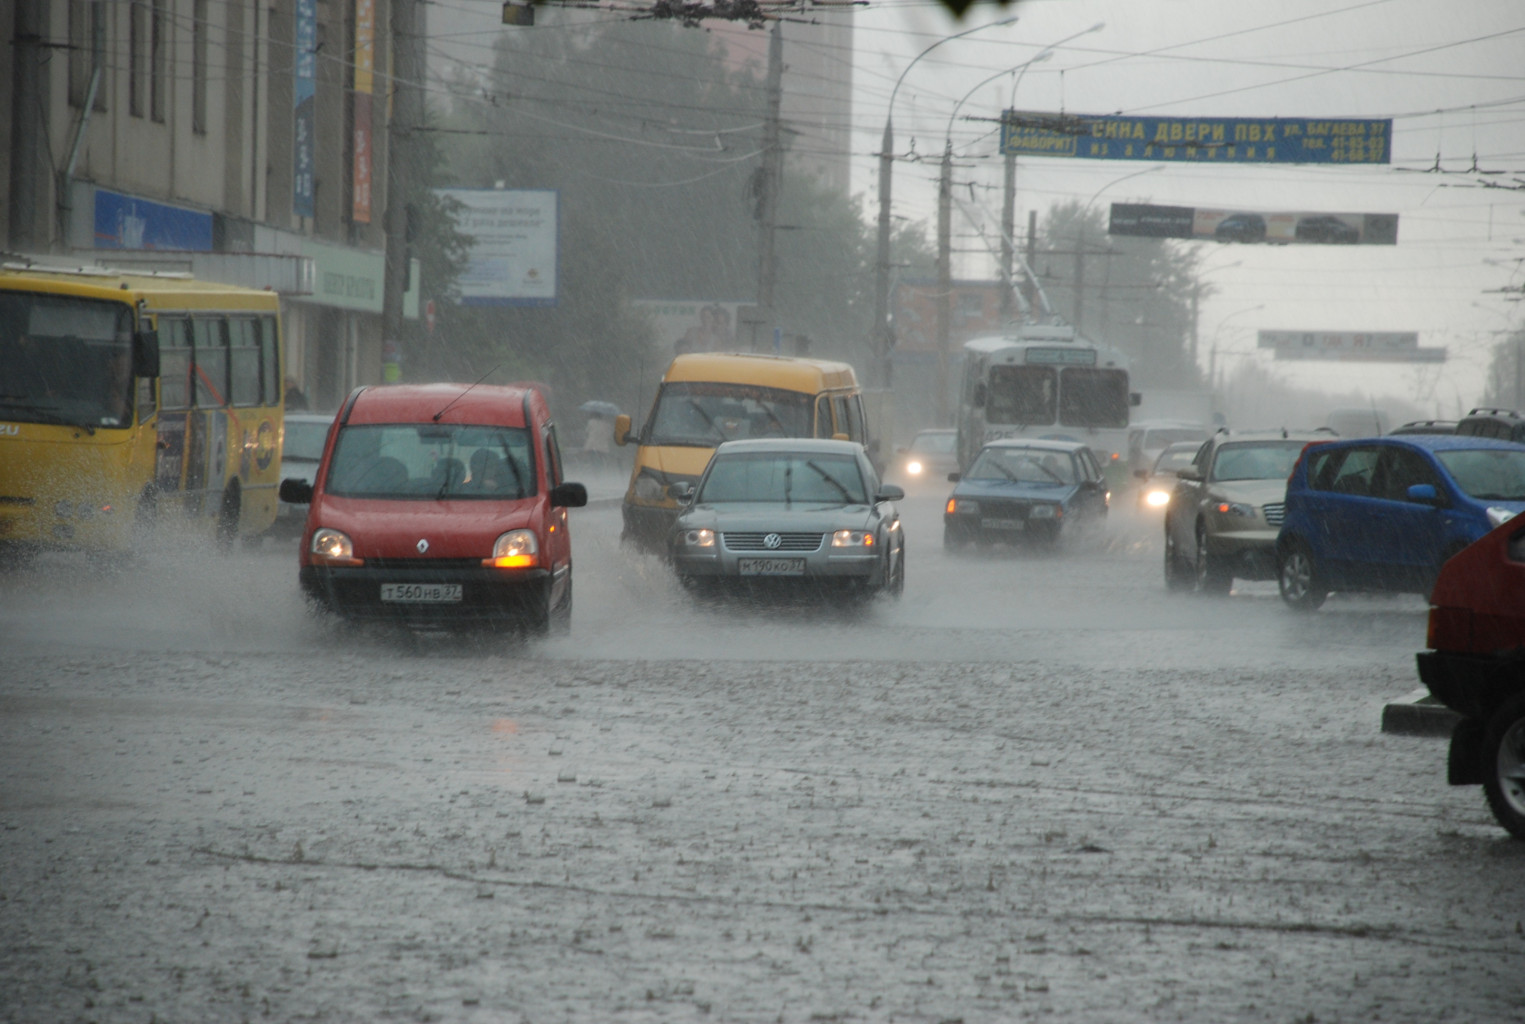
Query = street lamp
x=1212 y=365
x=886 y=163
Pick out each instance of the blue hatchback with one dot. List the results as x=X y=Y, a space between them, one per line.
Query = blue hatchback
x=1385 y=513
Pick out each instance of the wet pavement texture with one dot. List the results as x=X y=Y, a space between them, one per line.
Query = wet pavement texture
x=1036 y=787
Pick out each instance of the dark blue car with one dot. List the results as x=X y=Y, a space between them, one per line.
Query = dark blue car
x=1017 y=489
x=1385 y=513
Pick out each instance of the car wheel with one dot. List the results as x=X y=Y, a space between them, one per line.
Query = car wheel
x=896 y=585
x=1504 y=761
x=953 y=538
x=1211 y=576
x=561 y=618
x=1177 y=578
x=1298 y=579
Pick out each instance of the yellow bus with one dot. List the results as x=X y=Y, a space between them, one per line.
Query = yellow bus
x=128 y=396
x=710 y=397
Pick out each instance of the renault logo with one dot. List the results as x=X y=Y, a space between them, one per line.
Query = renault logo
x=772 y=541
x=423 y=546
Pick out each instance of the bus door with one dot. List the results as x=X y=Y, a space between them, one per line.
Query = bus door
x=174 y=403
x=206 y=461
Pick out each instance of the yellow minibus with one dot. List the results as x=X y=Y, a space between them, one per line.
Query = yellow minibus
x=124 y=396
x=709 y=397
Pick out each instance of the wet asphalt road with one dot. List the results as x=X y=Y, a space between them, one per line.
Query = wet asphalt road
x=1037 y=787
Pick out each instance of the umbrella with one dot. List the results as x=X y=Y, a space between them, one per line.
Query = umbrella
x=608 y=409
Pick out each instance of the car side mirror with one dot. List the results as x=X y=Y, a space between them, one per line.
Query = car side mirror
x=1142 y=474
x=901 y=449
x=622 y=430
x=1189 y=473
x=1135 y=398
x=889 y=492
x=1424 y=494
x=568 y=496
x=145 y=354
x=953 y=478
x=682 y=492
x=296 y=492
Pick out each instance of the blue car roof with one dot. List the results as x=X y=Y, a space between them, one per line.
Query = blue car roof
x=1439 y=442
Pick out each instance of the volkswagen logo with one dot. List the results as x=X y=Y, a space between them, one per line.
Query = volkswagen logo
x=772 y=541
x=423 y=546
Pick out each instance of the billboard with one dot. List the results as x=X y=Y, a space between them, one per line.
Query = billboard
x=1350 y=346
x=1222 y=140
x=127 y=222
x=1304 y=227
x=695 y=325
x=304 y=89
x=513 y=259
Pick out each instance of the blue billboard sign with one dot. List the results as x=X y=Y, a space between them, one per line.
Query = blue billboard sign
x=127 y=222
x=304 y=120
x=1225 y=140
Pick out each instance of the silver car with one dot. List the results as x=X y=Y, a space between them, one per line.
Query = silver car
x=790 y=512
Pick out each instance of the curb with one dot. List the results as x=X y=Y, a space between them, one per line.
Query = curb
x=1418 y=714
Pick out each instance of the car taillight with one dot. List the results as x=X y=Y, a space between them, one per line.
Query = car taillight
x=1450 y=629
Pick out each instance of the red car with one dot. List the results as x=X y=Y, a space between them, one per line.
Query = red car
x=440 y=504
x=1476 y=667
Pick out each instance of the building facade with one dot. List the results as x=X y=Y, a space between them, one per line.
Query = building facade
x=241 y=140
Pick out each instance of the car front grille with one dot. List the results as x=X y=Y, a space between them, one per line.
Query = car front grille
x=423 y=564
x=1005 y=509
x=753 y=541
x=1275 y=512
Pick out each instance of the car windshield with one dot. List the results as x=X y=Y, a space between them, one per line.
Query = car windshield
x=1260 y=460
x=304 y=440
x=1023 y=466
x=1489 y=474
x=703 y=414
x=432 y=461
x=936 y=444
x=786 y=477
x=1172 y=459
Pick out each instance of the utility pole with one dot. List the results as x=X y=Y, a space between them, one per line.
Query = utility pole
x=1008 y=225
x=881 y=338
x=406 y=100
x=770 y=179
x=944 y=279
x=1029 y=286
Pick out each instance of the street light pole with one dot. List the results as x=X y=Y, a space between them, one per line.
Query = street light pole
x=881 y=339
x=1212 y=364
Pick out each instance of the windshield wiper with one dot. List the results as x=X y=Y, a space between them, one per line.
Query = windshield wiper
x=846 y=497
x=708 y=419
x=45 y=415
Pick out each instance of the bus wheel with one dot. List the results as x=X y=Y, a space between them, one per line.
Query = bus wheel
x=146 y=516
x=227 y=518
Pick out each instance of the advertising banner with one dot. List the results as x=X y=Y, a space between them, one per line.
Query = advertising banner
x=126 y=222
x=1350 y=346
x=694 y=325
x=305 y=72
x=513 y=259
x=1302 y=227
x=360 y=101
x=1229 y=140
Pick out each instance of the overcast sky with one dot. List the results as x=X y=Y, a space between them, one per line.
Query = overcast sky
x=1450 y=75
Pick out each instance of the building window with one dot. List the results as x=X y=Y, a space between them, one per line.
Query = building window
x=87 y=45
x=158 y=62
x=199 y=67
x=137 y=57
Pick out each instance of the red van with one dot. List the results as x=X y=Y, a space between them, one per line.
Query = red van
x=1476 y=667
x=440 y=504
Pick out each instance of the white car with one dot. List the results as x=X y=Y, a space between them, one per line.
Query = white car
x=301 y=451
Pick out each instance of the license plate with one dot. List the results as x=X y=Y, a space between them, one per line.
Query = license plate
x=421 y=593
x=1004 y=524
x=771 y=566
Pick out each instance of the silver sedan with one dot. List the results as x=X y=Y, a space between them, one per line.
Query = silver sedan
x=791 y=512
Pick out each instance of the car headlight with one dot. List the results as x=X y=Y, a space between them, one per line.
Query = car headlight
x=516 y=549
x=1235 y=508
x=913 y=467
x=1157 y=499
x=963 y=507
x=1045 y=512
x=852 y=539
x=1498 y=516
x=649 y=488
x=333 y=547
x=701 y=538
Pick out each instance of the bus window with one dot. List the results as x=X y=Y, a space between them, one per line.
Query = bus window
x=1093 y=398
x=823 y=417
x=839 y=412
x=244 y=362
x=175 y=363
x=211 y=362
x=855 y=429
x=270 y=361
x=1021 y=394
